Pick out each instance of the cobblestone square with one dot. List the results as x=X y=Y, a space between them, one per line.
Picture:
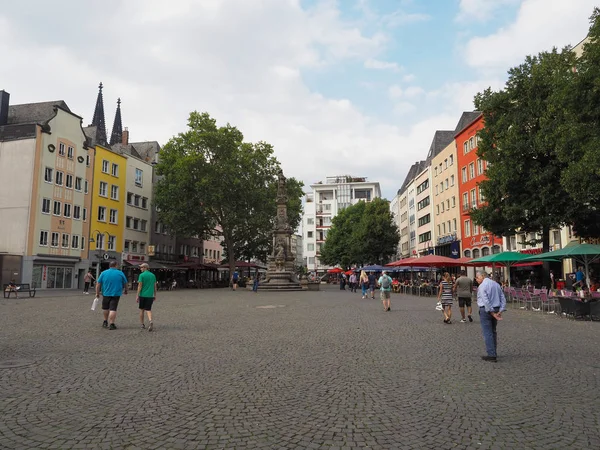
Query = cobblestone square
x=237 y=370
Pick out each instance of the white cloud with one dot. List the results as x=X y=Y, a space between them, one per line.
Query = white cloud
x=408 y=78
x=381 y=65
x=399 y=18
x=539 y=26
x=395 y=91
x=481 y=10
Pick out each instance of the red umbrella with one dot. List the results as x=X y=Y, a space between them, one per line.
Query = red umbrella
x=427 y=261
x=335 y=270
x=350 y=272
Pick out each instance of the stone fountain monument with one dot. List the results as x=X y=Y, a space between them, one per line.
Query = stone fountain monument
x=281 y=263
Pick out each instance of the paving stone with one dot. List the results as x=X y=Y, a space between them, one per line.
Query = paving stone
x=324 y=370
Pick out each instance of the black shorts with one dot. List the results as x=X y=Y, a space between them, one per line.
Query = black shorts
x=464 y=301
x=110 y=303
x=146 y=303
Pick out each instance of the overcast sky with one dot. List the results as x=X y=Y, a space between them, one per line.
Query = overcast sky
x=342 y=87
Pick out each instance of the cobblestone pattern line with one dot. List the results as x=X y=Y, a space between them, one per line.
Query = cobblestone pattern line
x=322 y=370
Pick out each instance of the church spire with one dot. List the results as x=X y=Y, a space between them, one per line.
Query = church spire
x=117 y=132
x=98 y=120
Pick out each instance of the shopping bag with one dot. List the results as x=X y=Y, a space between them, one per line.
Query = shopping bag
x=438 y=306
x=95 y=303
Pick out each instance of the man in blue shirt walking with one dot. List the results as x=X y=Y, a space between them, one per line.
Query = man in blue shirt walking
x=491 y=302
x=112 y=284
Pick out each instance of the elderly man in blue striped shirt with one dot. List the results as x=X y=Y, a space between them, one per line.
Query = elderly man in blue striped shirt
x=491 y=302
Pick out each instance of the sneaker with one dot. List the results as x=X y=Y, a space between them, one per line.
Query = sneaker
x=105 y=324
x=112 y=326
x=143 y=327
x=489 y=358
x=463 y=321
x=151 y=326
x=470 y=319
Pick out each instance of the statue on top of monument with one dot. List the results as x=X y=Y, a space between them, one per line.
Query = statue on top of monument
x=281 y=190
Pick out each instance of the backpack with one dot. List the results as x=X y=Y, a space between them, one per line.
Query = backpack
x=386 y=283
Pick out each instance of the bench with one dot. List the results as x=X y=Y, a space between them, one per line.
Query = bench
x=20 y=288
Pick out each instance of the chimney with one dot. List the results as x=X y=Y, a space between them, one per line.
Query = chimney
x=125 y=138
x=4 y=99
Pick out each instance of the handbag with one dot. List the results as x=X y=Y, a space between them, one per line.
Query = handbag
x=438 y=306
x=95 y=303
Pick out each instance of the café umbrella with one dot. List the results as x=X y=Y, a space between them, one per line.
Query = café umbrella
x=507 y=259
x=584 y=254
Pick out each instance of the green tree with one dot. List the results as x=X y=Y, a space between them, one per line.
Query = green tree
x=364 y=233
x=578 y=134
x=212 y=183
x=523 y=190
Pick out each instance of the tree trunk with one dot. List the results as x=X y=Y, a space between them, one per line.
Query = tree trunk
x=230 y=256
x=546 y=248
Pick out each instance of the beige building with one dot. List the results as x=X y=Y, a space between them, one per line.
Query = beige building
x=446 y=205
x=45 y=197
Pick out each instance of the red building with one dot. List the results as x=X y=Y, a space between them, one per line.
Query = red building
x=476 y=241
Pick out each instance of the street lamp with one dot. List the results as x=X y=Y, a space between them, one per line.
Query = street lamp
x=91 y=240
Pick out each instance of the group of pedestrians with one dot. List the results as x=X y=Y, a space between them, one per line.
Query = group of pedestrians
x=112 y=284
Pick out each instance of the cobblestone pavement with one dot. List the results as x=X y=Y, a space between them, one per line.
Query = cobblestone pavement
x=237 y=370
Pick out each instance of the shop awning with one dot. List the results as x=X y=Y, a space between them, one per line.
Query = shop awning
x=133 y=262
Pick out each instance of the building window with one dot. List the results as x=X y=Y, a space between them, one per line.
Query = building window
x=76 y=212
x=309 y=234
x=446 y=183
x=112 y=240
x=448 y=204
x=423 y=186
x=46 y=206
x=138 y=177
x=128 y=222
x=66 y=240
x=70 y=152
x=424 y=220
x=57 y=208
x=100 y=241
x=423 y=203
x=67 y=210
x=75 y=241
x=157 y=227
x=481 y=197
x=475 y=229
x=446 y=163
x=105 y=165
x=467 y=253
x=44 y=238
x=310 y=247
x=443 y=208
x=115 y=170
x=451 y=180
x=101 y=213
x=466 y=200
x=78 y=181
x=454 y=223
x=54 y=240
x=464 y=174
x=87 y=160
x=84 y=214
x=144 y=225
x=136 y=223
x=451 y=160
x=441 y=187
x=425 y=237
x=113 y=216
x=126 y=246
x=443 y=228
x=86 y=190
x=144 y=203
x=134 y=247
x=136 y=200
x=473 y=198
x=61 y=149
x=82 y=242
x=467 y=228
x=69 y=182
x=48 y=175
x=471 y=171
x=436 y=189
x=453 y=201
x=479 y=167
x=143 y=249
x=114 y=192
x=103 y=192
x=471 y=143
x=129 y=198
x=59 y=178
x=438 y=209
x=466 y=147
x=439 y=230
x=435 y=171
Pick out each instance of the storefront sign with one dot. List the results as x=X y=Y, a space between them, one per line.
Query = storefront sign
x=44 y=273
x=455 y=249
x=447 y=239
x=151 y=250
x=483 y=240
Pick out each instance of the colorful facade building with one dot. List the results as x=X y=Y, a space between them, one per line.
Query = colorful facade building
x=45 y=163
x=476 y=241
x=446 y=204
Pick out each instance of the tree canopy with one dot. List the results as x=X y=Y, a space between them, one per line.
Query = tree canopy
x=360 y=234
x=212 y=183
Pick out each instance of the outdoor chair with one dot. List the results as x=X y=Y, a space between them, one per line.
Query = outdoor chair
x=547 y=302
x=566 y=306
x=532 y=301
x=581 y=309
x=520 y=297
x=595 y=310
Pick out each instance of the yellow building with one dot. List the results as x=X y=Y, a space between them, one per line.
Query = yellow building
x=107 y=215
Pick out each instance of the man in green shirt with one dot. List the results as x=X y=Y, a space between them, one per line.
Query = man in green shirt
x=146 y=294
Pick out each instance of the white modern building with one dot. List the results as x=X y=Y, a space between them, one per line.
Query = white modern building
x=323 y=204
